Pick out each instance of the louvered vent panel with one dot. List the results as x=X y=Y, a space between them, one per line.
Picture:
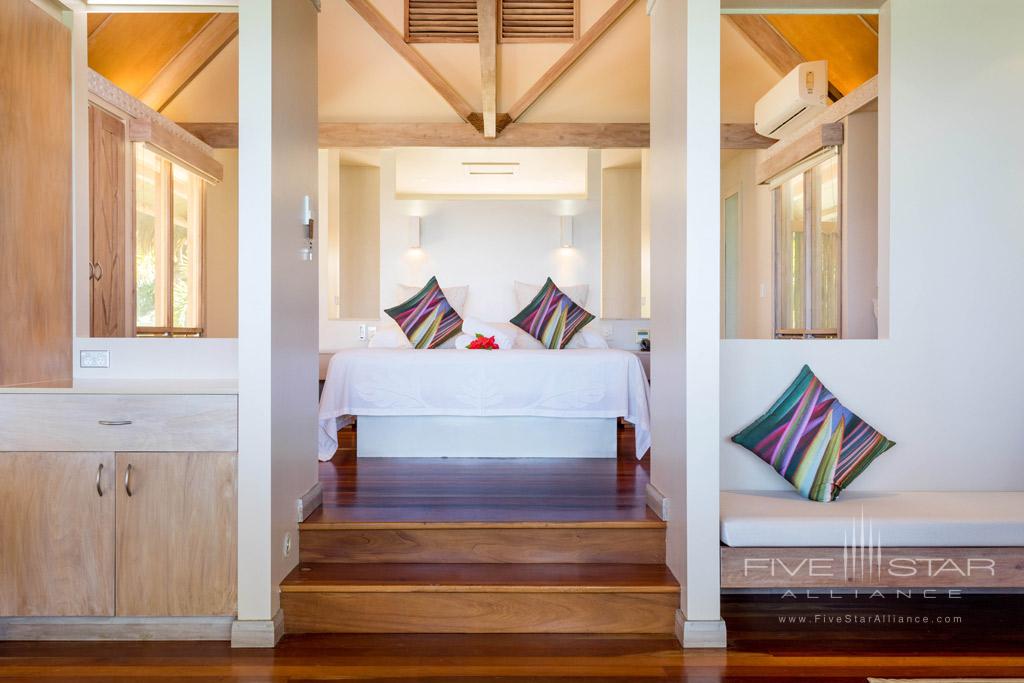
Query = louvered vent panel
x=441 y=21
x=538 y=20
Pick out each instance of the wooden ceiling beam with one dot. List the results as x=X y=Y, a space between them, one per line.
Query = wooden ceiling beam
x=487 y=29
x=193 y=57
x=100 y=25
x=563 y=63
x=393 y=37
x=596 y=135
x=797 y=149
x=771 y=45
x=743 y=136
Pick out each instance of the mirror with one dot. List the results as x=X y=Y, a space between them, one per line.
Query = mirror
x=625 y=235
x=162 y=254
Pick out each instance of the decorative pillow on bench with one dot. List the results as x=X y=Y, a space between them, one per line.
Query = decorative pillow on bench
x=427 y=319
x=552 y=317
x=813 y=440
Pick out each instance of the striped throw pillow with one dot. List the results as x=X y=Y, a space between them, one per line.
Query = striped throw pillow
x=813 y=440
x=552 y=317
x=426 y=318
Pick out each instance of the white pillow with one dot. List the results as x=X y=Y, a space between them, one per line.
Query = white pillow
x=525 y=293
x=456 y=295
x=389 y=337
x=587 y=339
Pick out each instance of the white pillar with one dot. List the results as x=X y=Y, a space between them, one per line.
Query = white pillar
x=685 y=207
x=277 y=317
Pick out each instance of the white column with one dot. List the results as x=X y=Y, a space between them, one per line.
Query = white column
x=685 y=207
x=277 y=320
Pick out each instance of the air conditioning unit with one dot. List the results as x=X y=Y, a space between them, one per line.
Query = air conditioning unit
x=802 y=93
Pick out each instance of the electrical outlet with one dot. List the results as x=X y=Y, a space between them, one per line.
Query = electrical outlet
x=764 y=291
x=286 y=545
x=371 y=331
x=641 y=335
x=94 y=359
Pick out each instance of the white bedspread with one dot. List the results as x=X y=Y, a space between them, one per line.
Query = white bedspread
x=603 y=383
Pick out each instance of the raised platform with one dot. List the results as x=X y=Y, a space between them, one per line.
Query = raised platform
x=482 y=545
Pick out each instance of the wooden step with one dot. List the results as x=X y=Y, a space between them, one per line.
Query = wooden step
x=479 y=598
x=642 y=542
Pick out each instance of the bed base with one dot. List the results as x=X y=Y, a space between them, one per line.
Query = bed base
x=486 y=437
x=884 y=568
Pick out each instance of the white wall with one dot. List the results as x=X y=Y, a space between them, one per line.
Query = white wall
x=860 y=226
x=685 y=140
x=221 y=245
x=946 y=384
x=486 y=244
x=278 y=292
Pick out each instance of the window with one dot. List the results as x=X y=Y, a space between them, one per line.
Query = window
x=168 y=247
x=455 y=21
x=808 y=251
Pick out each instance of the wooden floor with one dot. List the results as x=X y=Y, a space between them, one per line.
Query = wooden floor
x=988 y=643
x=388 y=490
x=770 y=637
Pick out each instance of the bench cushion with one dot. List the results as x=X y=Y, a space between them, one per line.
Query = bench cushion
x=779 y=519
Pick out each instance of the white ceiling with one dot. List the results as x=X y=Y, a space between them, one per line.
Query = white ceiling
x=480 y=173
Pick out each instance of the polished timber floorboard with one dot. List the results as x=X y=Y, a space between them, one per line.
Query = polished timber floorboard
x=988 y=643
x=771 y=638
x=381 y=491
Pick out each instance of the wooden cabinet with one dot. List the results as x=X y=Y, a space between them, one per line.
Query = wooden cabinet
x=125 y=534
x=176 y=527
x=56 y=534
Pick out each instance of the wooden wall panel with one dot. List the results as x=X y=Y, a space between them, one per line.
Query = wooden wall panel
x=35 y=197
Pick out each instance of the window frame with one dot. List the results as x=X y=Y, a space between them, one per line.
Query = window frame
x=166 y=208
x=806 y=170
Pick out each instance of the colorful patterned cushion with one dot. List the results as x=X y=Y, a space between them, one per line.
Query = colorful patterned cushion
x=552 y=317
x=813 y=440
x=427 y=318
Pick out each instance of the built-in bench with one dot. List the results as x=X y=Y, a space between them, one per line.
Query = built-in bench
x=949 y=539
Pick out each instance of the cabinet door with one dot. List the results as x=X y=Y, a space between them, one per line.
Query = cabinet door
x=56 y=534
x=176 y=528
x=107 y=180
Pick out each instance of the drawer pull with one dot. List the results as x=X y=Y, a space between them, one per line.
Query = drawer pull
x=128 y=480
x=99 y=480
x=115 y=423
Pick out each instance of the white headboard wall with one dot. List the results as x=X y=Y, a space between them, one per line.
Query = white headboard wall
x=488 y=244
x=484 y=244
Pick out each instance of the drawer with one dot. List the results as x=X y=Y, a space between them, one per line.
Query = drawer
x=118 y=422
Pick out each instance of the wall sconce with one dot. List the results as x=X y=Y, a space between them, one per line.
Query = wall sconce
x=566 y=237
x=414 y=232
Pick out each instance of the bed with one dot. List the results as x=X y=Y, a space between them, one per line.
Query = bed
x=460 y=403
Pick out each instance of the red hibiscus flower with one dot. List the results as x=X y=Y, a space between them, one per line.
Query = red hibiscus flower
x=482 y=342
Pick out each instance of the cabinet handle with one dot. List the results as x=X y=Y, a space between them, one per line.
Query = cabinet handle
x=128 y=480
x=99 y=480
x=115 y=423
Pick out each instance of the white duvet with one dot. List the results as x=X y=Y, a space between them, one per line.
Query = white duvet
x=579 y=383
